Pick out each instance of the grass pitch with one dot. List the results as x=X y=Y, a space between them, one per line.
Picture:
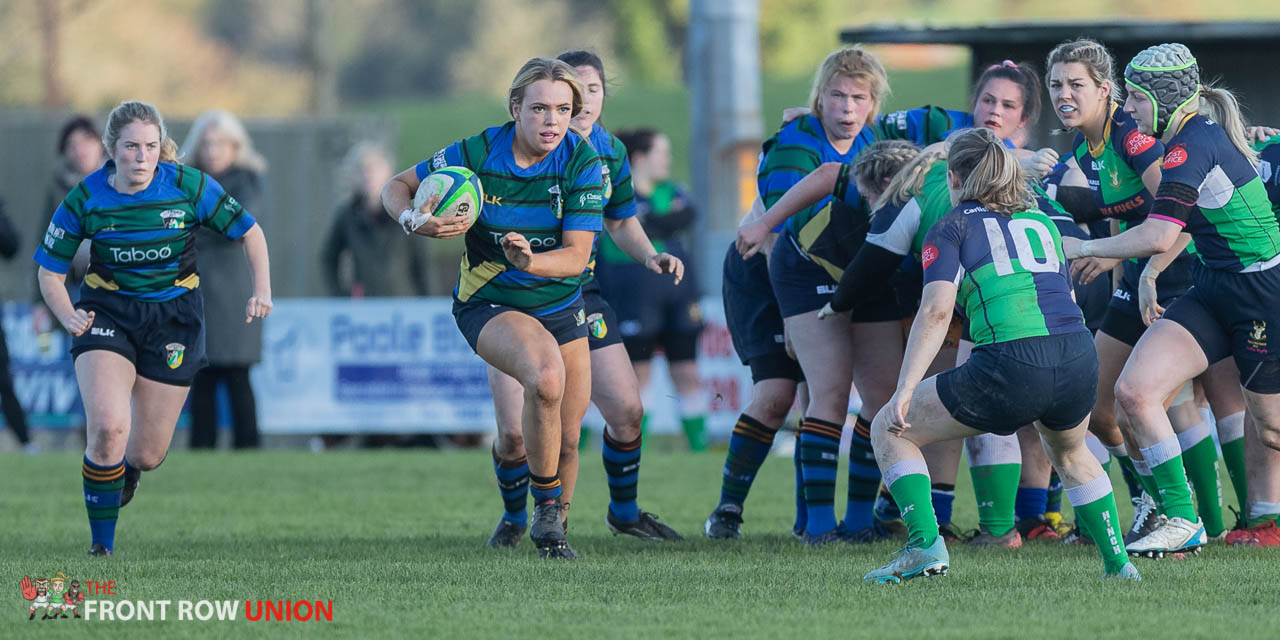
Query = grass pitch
x=395 y=540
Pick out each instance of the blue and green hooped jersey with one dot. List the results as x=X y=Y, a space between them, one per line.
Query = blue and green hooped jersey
x=143 y=243
x=1010 y=271
x=1227 y=211
x=560 y=193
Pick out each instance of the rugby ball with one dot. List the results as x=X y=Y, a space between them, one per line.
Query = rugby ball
x=451 y=191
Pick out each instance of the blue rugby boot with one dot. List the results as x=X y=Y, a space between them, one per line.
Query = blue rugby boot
x=913 y=562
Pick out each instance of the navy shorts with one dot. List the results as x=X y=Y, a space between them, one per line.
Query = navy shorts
x=1008 y=385
x=565 y=325
x=163 y=340
x=896 y=300
x=652 y=311
x=752 y=316
x=1235 y=314
x=602 y=323
x=799 y=284
x=1123 y=320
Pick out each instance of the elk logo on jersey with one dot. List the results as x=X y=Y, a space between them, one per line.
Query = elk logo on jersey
x=1137 y=142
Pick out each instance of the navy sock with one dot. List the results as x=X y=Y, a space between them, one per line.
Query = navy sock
x=819 y=459
x=102 y=488
x=864 y=478
x=544 y=489
x=622 y=465
x=513 y=483
x=748 y=447
x=1131 y=481
x=943 y=496
x=886 y=507
x=802 y=512
x=1030 y=503
x=1054 y=501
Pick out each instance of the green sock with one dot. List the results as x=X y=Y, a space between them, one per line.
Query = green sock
x=584 y=438
x=1170 y=477
x=644 y=431
x=1231 y=435
x=1095 y=508
x=1200 y=458
x=695 y=430
x=908 y=481
x=995 y=462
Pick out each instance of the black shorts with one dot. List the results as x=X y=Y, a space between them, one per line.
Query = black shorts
x=1236 y=314
x=752 y=316
x=896 y=300
x=1008 y=385
x=163 y=340
x=565 y=325
x=1123 y=319
x=602 y=323
x=799 y=284
x=652 y=311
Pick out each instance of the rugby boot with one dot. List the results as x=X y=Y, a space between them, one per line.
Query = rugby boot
x=646 y=527
x=132 y=476
x=820 y=540
x=98 y=550
x=983 y=538
x=547 y=531
x=724 y=523
x=1059 y=524
x=507 y=535
x=1146 y=518
x=913 y=562
x=1037 y=529
x=1127 y=572
x=1177 y=536
x=949 y=533
x=1266 y=534
x=865 y=535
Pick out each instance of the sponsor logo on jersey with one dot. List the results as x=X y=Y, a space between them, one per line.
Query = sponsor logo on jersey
x=56 y=231
x=438 y=161
x=1176 y=157
x=974 y=210
x=134 y=254
x=1122 y=294
x=589 y=197
x=597 y=326
x=825 y=289
x=535 y=242
x=173 y=354
x=99 y=331
x=173 y=218
x=1137 y=142
x=928 y=254
x=493 y=200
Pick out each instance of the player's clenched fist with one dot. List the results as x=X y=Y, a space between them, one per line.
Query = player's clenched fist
x=79 y=322
x=517 y=249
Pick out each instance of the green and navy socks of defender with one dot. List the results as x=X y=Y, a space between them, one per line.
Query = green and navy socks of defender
x=1231 y=436
x=1030 y=503
x=622 y=465
x=544 y=488
x=1127 y=469
x=864 y=478
x=995 y=464
x=1200 y=459
x=513 y=483
x=802 y=511
x=748 y=447
x=908 y=481
x=1053 y=497
x=819 y=459
x=1164 y=460
x=103 y=485
x=1095 y=508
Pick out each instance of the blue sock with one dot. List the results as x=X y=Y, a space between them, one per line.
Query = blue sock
x=943 y=495
x=819 y=459
x=102 y=488
x=748 y=447
x=864 y=479
x=1030 y=502
x=513 y=483
x=622 y=465
x=802 y=513
x=544 y=489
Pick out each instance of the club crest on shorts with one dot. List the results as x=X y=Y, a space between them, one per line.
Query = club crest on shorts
x=597 y=326
x=580 y=317
x=173 y=218
x=173 y=354
x=1257 y=339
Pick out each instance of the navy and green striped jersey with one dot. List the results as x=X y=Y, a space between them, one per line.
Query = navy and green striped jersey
x=1225 y=207
x=562 y=192
x=1010 y=271
x=143 y=244
x=1115 y=171
x=619 y=194
x=1269 y=169
x=791 y=154
x=923 y=126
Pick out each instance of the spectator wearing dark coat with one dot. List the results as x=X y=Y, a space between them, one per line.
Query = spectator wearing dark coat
x=14 y=416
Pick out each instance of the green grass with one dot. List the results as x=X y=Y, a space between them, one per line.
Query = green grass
x=395 y=539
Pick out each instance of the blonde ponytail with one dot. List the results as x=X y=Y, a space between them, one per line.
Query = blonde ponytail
x=988 y=172
x=909 y=180
x=1221 y=106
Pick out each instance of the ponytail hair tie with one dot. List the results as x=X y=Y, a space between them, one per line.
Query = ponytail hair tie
x=1007 y=63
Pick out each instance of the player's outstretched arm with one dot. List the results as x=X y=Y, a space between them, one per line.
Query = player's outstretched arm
x=566 y=262
x=820 y=183
x=629 y=235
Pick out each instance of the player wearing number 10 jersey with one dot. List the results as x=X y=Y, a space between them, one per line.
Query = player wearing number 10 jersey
x=1000 y=259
